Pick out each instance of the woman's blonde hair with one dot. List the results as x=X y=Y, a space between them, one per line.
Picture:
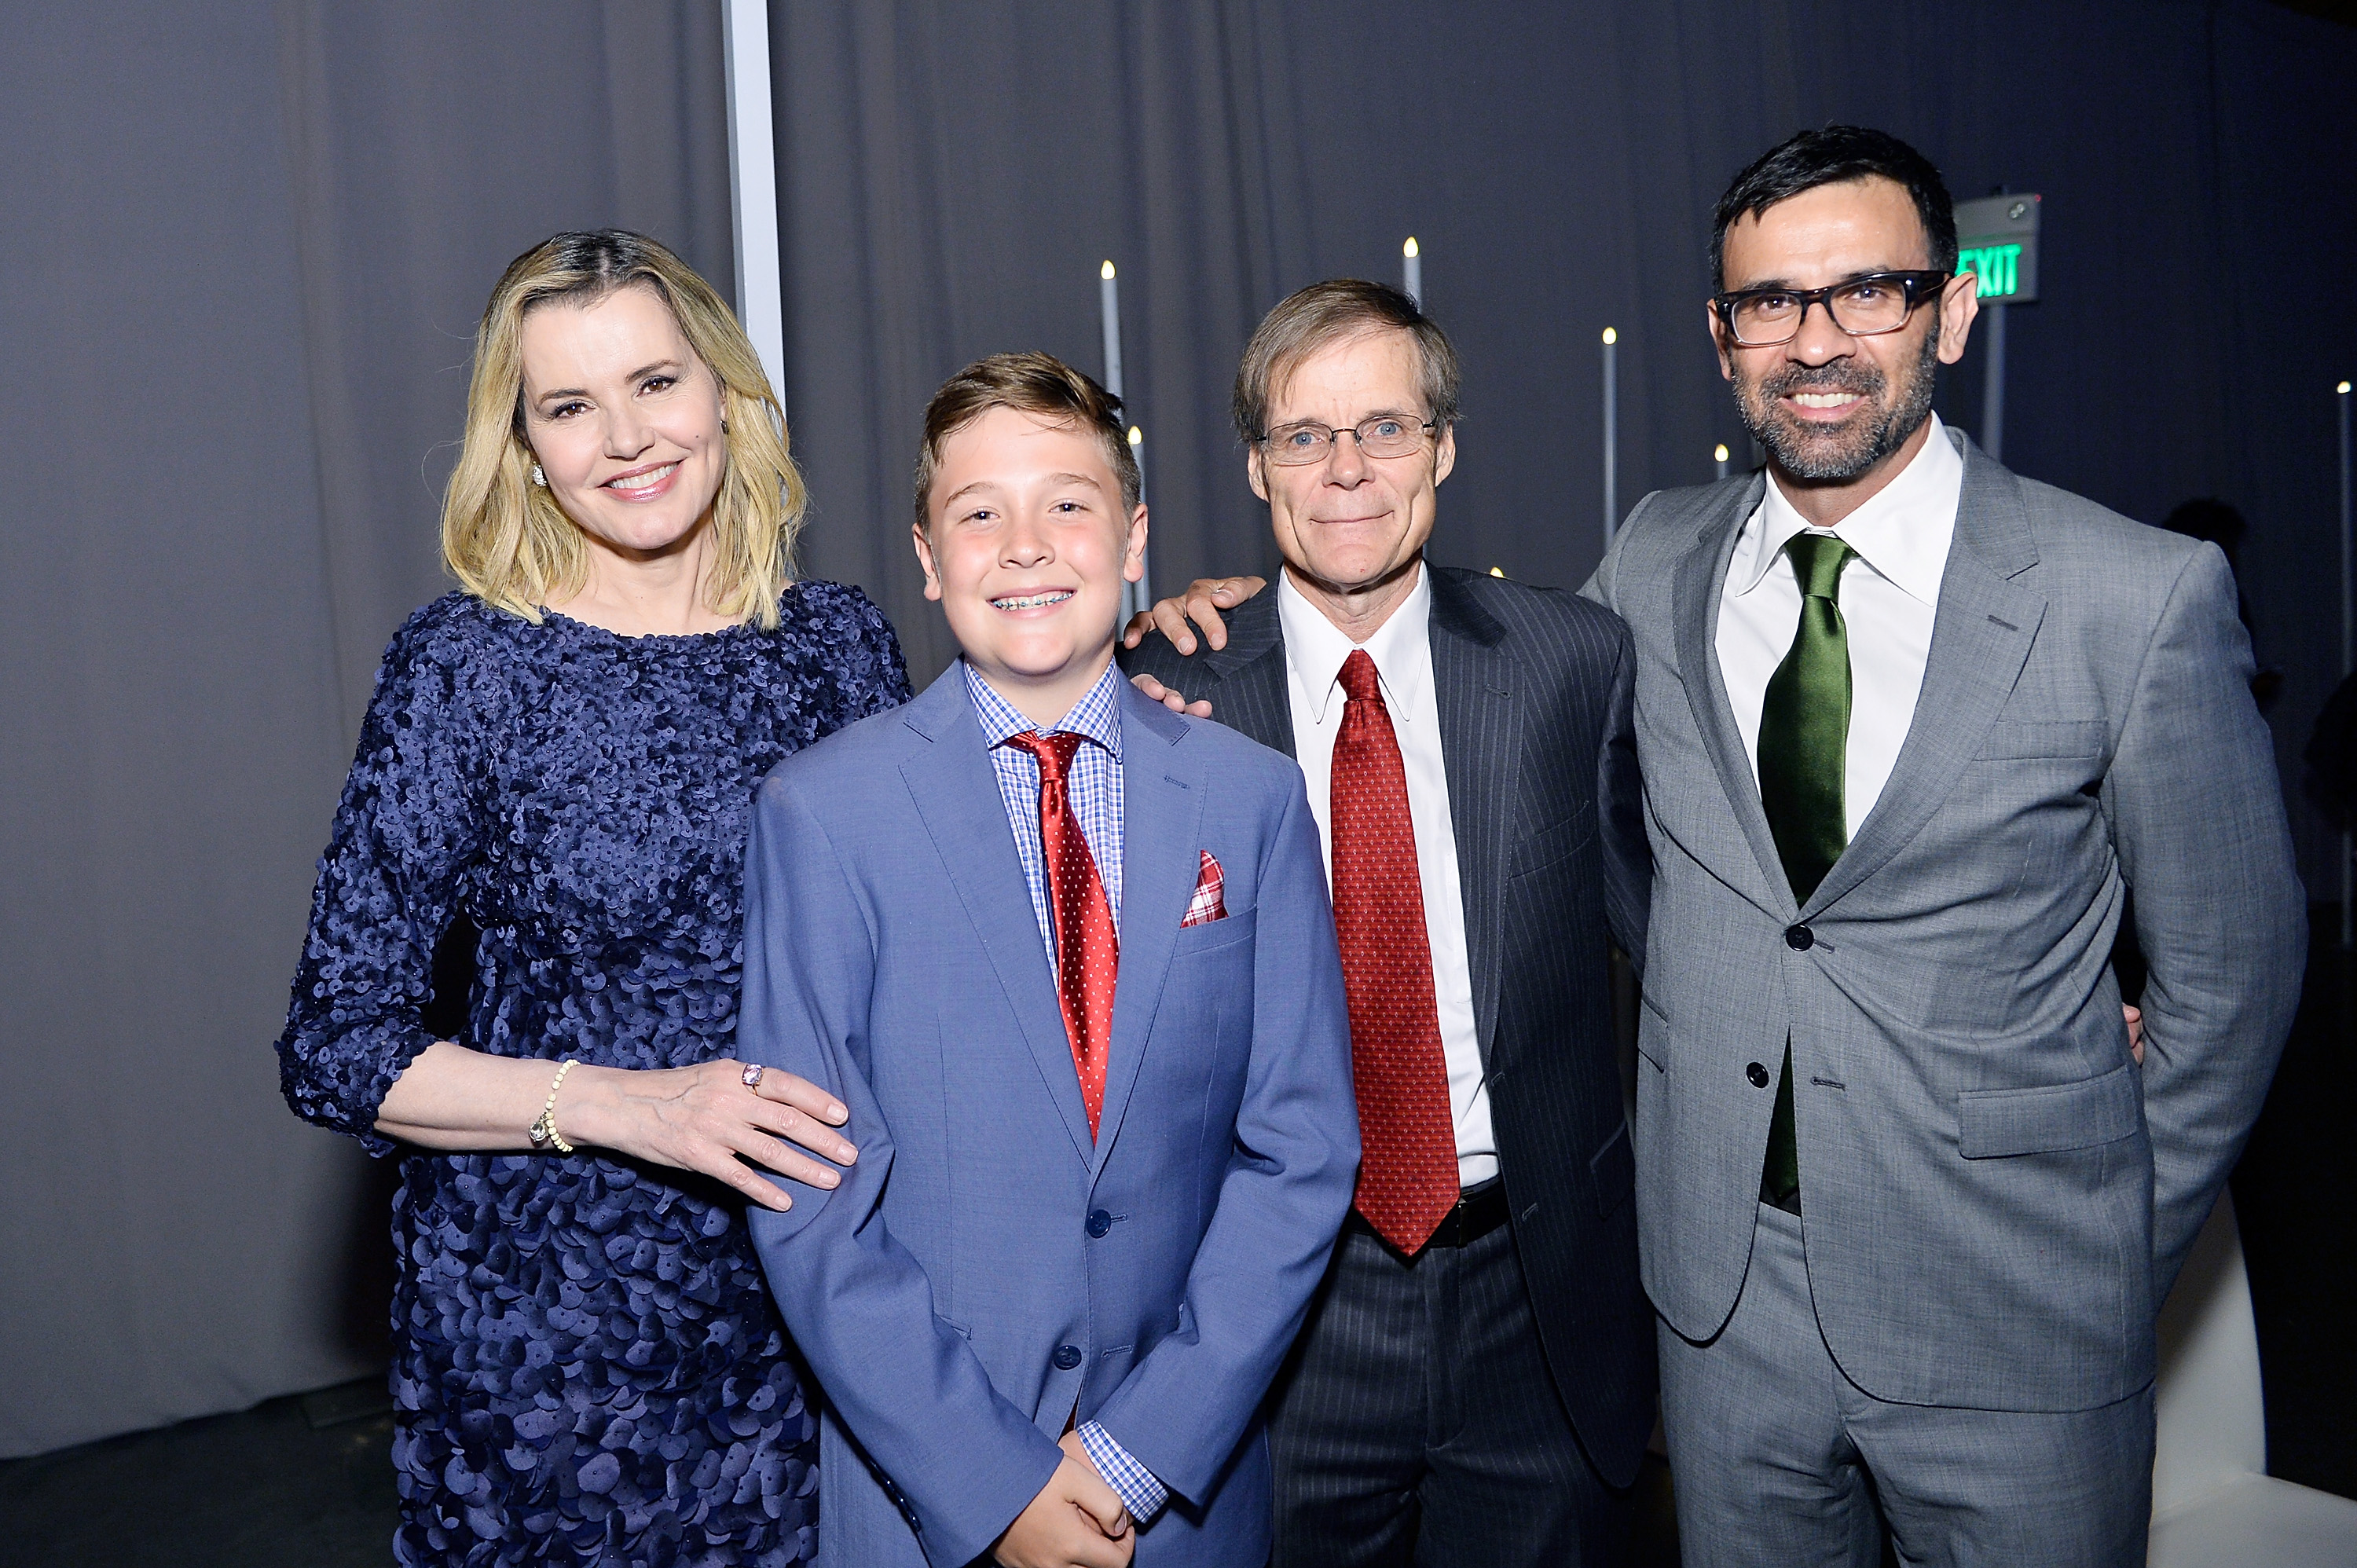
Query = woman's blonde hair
x=505 y=539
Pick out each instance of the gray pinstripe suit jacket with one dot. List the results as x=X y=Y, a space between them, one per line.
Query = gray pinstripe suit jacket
x=1533 y=690
x=1996 y=1200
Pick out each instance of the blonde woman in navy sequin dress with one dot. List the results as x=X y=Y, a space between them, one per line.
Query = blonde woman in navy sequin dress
x=587 y=1366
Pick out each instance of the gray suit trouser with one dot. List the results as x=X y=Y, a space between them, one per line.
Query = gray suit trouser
x=1778 y=1458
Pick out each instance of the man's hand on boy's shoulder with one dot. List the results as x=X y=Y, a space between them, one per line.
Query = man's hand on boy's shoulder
x=1157 y=692
x=1076 y=1521
x=1204 y=599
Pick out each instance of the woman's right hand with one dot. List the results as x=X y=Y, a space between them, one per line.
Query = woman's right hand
x=705 y=1119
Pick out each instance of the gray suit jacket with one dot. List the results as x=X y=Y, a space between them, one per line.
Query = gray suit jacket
x=1996 y=1199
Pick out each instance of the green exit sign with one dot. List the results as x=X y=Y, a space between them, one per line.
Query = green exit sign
x=1996 y=241
x=1997 y=266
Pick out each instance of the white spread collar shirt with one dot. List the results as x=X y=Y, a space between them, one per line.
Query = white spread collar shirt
x=1315 y=649
x=1888 y=595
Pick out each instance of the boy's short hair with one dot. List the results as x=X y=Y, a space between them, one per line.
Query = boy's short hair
x=1033 y=383
x=1324 y=313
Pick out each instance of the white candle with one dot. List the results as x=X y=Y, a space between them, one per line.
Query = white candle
x=1412 y=271
x=1611 y=436
x=1109 y=307
x=2347 y=600
x=1141 y=591
x=1719 y=455
x=2348 y=648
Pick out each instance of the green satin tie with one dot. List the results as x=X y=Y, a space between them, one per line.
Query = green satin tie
x=1804 y=755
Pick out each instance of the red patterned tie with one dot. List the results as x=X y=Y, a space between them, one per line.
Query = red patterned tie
x=1088 y=950
x=1407 y=1171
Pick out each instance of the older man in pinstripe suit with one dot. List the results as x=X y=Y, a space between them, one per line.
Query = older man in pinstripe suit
x=1476 y=1382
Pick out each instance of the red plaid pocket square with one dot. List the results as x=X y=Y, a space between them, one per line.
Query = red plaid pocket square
x=1208 y=905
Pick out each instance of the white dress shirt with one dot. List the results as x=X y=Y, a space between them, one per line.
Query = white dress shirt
x=1888 y=594
x=1402 y=651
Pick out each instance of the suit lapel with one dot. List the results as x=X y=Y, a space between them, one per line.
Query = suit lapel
x=1252 y=696
x=1695 y=600
x=1981 y=635
x=956 y=794
x=1161 y=813
x=1480 y=756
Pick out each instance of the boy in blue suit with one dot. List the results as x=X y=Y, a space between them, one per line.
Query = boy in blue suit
x=1068 y=959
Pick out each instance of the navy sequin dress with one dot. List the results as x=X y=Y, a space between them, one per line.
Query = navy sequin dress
x=586 y=1365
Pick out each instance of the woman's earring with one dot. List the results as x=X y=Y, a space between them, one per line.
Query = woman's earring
x=538 y=477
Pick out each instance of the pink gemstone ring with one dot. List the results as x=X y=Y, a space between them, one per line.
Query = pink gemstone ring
x=752 y=1075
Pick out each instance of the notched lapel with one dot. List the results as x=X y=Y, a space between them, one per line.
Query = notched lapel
x=957 y=795
x=1250 y=696
x=1482 y=723
x=1162 y=820
x=1981 y=636
x=1695 y=591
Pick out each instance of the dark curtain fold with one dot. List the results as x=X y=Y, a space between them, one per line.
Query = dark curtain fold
x=247 y=252
x=952 y=176
x=248 y=246
x=426 y=146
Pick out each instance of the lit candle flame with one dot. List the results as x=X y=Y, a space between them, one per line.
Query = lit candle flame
x=1718 y=453
x=2344 y=388
x=1105 y=271
x=1497 y=571
x=1409 y=249
x=1610 y=337
x=1136 y=436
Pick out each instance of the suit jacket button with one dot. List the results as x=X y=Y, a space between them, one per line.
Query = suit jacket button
x=1066 y=1357
x=1800 y=939
x=1099 y=1223
x=1758 y=1075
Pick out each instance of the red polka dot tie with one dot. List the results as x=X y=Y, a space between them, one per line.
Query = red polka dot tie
x=1088 y=950
x=1407 y=1169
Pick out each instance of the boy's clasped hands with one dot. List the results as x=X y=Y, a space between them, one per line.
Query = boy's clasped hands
x=1076 y=1521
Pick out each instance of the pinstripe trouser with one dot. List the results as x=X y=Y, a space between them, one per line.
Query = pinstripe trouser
x=1415 y=1422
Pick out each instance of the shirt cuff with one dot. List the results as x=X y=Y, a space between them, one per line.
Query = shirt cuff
x=1131 y=1481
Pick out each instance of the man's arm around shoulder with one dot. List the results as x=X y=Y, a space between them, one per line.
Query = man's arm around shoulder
x=1155 y=655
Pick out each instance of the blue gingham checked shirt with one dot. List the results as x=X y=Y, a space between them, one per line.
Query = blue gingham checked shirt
x=1095 y=786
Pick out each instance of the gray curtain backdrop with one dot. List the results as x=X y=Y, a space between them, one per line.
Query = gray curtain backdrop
x=248 y=244
x=247 y=253
x=952 y=176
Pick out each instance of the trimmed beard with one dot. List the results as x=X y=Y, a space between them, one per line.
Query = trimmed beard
x=1804 y=453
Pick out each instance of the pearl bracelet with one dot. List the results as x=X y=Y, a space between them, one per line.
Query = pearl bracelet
x=543 y=1134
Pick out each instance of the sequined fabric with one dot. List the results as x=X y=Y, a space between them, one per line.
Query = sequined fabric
x=586 y=1366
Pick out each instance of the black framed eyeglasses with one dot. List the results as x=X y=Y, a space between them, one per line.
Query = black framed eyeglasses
x=1385 y=436
x=1863 y=306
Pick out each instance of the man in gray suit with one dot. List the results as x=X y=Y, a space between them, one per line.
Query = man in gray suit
x=1913 y=728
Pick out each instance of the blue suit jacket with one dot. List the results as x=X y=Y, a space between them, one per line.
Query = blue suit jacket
x=986 y=1271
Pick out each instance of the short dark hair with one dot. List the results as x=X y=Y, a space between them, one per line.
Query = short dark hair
x=1031 y=383
x=1308 y=319
x=1830 y=156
